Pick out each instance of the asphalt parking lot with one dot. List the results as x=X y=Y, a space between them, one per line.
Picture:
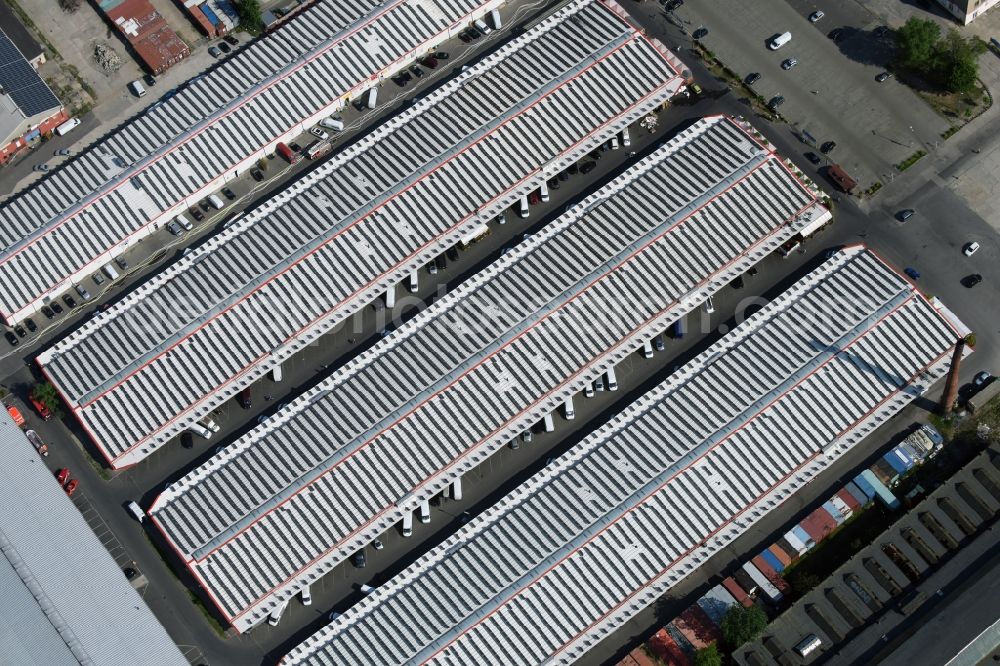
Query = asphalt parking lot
x=832 y=92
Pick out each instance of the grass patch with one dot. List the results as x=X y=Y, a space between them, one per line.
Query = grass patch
x=911 y=160
x=208 y=615
x=956 y=105
x=876 y=186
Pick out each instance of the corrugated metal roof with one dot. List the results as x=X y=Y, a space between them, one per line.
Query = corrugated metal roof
x=208 y=326
x=484 y=363
x=570 y=556
x=65 y=601
x=116 y=191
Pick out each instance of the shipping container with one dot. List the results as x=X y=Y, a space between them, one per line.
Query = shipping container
x=740 y=594
x=862 y=484
x=881 y=491
x=783 y=556
x=793 y=543
x=666 y=648
x=766 y=587
x=697 y=627
x=903 y=453
x=773 y=561
x=765 y=567
x=818 y=524
x=679 y=638
x=850 y=500
x=884 y=472
x=893 y=461
x=716 y=602
x=834 y=512
x=804 y=537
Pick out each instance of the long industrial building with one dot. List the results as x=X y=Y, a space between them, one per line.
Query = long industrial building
x=213 y=129
x=599 y=534
x=358 y=454
x=274 y=282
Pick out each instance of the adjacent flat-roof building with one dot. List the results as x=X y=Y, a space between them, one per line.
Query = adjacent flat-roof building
x=570 y=556
x=129 y=185
x=28 y=107
x=407 y=419
x=152 y=39
x=230 y=312
x=16 y=31
x=65 y=601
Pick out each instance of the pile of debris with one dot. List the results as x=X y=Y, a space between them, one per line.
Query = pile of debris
x=107 y=58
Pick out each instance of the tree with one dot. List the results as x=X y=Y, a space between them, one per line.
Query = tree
x=917 y=41
x=46 y=394
x=708 y=656
x=741 y=624
x=250 y=18
x=959 y=61
x=69 y=6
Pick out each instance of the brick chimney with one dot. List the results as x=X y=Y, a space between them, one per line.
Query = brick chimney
x=951 y=384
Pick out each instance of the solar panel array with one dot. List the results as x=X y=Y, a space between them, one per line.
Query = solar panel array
x=343 y=463
x=21 y=82
x=571 y=555
x=75 y=217
x=216 y=321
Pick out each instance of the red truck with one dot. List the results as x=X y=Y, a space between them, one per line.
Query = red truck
x=840 y=178
x=40 y=407
x=291 y=155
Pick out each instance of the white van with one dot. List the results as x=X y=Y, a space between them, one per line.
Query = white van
x=524 y=206
x=200 y=430
x=183 y=221
x=548 y=425
x=709 y=305
x=332 y=123
x=413 y=284
x=372 y=97
x=612 y=380
x=543 y=191
x=137 y=89
x=208 y=423
x=110 y=271
x=367 y=589
x=569 y=410
x=425 y=512
x=66 y=127
x=626 y=139
x=482 y=27
x=647 y=349
x=779 y=41
x=217 y=203
x=306 y=595
x=136 y=510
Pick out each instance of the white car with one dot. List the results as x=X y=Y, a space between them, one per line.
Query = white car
x=815 y=16
x=320 y=134
x=970 y=249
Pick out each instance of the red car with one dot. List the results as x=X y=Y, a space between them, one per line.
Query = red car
x=70 y=487
x=62 y=475
x=41 y=408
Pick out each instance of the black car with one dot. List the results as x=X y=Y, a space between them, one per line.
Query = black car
x=47 y=311
x=358 y=559
x=214 y=52
x=30 y=323
x=68 y=300
x=737 y=283
x=441 y=55
x=429 y=62
x=11 y=338
x=197 y=214
x=464 y=36
x=417 y=72
x=452 y=253
x=296 y=148
x=553 y=184
x=813 y=158
x=228 y=193
x=56 y=307
x=836 y=34
x=775 y=102
x=880 y=31
x=969 y=281
x=224 y=47
x=474 y=33
x=752 y=78
x=587 y=167
x=673 y=4
x=563 y=175
x=150 y=80
x=441 y=262
x=573 y=169
x=905 y=214
x=231 y=40
x=245 y=398
x=257 y=175
x=881 y=78
x=700 y=33
x=130 y=573
x=187 y=439
x=828 y=147
x=401 y=80
x=204 y=205
x=20 y=330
